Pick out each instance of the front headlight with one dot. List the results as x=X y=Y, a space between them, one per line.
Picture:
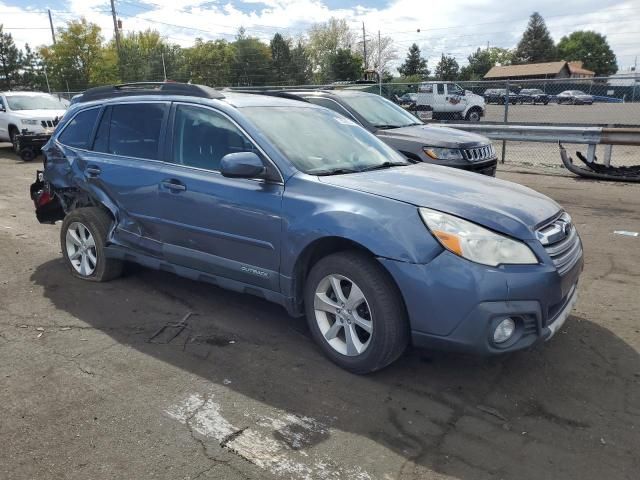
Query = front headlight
x=438 y=153
x=29 y=122
x=476 y=243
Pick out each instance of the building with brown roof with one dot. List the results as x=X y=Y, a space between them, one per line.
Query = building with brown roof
x=559 y=69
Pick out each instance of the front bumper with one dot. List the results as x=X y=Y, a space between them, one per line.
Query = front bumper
x=42 y=127
x=454 y=304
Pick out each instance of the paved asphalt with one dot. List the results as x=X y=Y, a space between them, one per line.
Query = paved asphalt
x=88 y=392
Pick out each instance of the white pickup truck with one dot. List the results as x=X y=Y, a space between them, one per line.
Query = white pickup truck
x=448 y=101
x=33 y=111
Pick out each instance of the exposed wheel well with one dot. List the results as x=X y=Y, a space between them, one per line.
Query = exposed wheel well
x=313 y=253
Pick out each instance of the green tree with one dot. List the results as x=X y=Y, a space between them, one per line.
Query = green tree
x=142 y=54
x=592 y=49
x=414 y=64
x=10 y=58
x=32 y=76
x=536 y=44
x=482 y=60
x=210 y=63
x=301 y=68
x=345 y=65
x=325 y=39
x=447 y=68
x=281 y=66
x=251 y=62
x=78 y=60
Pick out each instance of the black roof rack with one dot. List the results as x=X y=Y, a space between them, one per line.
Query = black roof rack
x=275 y=93
x=148 y=88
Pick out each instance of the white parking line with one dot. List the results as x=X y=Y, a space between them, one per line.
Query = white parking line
x=281 y=444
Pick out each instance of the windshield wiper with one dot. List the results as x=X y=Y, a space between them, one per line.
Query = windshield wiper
x=383 y=166
x=335 y=171
x=386 y=127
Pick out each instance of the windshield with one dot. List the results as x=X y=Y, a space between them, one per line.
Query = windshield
x=379 y=111
x=34 y=102
x=320 y=142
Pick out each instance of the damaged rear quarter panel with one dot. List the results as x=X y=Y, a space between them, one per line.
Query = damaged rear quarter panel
x=65 y=171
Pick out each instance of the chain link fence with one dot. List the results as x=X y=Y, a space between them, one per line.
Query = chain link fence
x=607 y=102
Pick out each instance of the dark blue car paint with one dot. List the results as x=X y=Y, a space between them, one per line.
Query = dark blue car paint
x=250 y=235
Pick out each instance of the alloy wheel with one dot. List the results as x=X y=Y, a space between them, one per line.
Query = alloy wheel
x=343 y=315
x=81 y=249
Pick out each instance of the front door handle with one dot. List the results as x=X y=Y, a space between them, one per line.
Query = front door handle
x=93 y=171
x=174 y=185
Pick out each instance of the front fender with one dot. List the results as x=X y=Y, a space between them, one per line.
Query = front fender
x=388 y=228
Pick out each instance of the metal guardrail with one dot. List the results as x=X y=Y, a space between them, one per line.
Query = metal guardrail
x=591 y=136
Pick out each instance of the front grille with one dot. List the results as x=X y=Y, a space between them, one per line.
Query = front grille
x=49 y=123
x=478 y=154
x=562 y=242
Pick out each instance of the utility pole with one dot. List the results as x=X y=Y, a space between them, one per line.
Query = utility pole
x=364 y=45
x=53 y=32
x=115 y=26
x=164 y=68
x=380 y=72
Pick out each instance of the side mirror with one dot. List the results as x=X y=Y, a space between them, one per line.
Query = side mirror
x=242 y=165
x=2 y=109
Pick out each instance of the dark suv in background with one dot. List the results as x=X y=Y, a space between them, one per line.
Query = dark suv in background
x=499 y=96
x=417 y=141
x=303 y=207
x=533 y=96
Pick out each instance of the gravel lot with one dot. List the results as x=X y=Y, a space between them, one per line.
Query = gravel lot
x=88 y=392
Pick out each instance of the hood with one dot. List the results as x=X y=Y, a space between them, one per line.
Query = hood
x=39 y=114
x=432 y=136
x=502 y=206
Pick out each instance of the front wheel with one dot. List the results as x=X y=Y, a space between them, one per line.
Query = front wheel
x=82 y=239
x=13 y=138
x=355 y=312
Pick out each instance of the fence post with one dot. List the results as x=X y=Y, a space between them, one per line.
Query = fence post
x=506 y=119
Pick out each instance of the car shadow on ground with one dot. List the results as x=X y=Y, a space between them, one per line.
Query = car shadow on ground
x=565 y=409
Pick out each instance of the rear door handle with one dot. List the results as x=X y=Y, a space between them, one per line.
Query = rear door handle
x=174 y=185
x=93 y=171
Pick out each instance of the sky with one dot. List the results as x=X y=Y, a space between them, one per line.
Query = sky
x=452 y=27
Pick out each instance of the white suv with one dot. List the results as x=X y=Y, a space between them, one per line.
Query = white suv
x=34 y=111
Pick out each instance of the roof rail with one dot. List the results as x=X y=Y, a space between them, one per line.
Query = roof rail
x=276 y=93
x=148 y=88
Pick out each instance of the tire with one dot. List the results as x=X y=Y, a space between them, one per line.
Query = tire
x=546 y=102
x=473 y=116
x=380 y=308
x=84 y=253
x=13 y=132
x=27 y=154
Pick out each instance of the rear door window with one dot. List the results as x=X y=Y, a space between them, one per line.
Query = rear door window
x=78 y=132
x=133 y=130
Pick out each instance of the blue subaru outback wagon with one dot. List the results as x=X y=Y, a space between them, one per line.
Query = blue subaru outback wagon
x=299 y=205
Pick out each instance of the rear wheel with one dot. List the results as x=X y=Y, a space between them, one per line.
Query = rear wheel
x=355 y=312
x=82 y=239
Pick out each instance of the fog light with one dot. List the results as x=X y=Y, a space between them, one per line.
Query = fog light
x=504 y=331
